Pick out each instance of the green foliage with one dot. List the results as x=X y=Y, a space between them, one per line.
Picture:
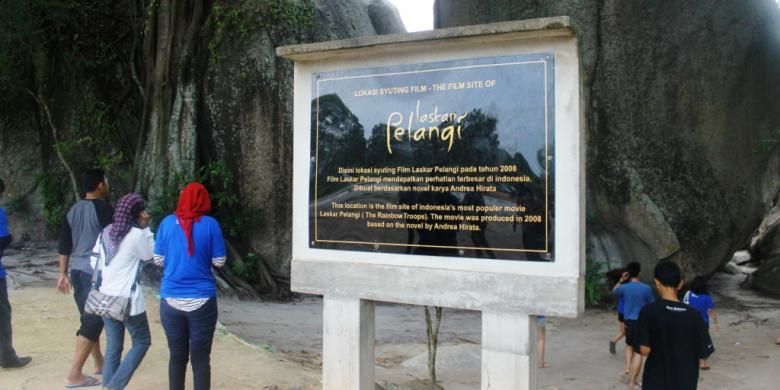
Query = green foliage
x=595 y=283
x=53 y=190
x=248 y=269
x=294 y=15
x=166 y=202
x=26 y=30
x=767 y=144
x=17 y=205
x=93 y=139
x=236 y=219
x=235 y=20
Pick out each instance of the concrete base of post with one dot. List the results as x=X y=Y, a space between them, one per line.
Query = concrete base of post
x=508 y=351
x=347 y=343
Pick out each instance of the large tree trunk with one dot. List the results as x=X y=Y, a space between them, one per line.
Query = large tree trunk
x=175 y=61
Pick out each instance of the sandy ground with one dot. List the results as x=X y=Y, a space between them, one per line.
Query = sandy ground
x=278 y=346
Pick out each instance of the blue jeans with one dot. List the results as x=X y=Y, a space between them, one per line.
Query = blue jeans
x=116 y=375
x=189 y=337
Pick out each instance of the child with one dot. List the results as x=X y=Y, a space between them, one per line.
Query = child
x=671 y=334
x=614 y=276
x=698 y=297
x=635 y=295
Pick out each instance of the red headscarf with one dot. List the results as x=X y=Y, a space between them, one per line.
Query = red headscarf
x=193 y=204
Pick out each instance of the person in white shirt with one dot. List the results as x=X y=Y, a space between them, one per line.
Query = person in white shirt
x=120 y=248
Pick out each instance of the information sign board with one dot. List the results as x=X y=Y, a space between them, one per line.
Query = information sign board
x=451 y=158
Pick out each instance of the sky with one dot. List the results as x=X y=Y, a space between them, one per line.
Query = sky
x=417 y=15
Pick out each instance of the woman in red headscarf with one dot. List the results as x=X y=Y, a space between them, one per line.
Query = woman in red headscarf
x=188 y=244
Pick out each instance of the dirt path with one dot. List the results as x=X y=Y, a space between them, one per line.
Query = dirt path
x=44 y=324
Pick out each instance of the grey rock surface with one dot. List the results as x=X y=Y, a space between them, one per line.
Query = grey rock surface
x=248 y=114
x=385 y=17
x=765 y=244
x=678 y=97
x=767 y=277
x=20 y=164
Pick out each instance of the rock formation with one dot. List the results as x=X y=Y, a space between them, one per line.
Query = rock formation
x=240 y=108
x=248 y=119
x=679 y=97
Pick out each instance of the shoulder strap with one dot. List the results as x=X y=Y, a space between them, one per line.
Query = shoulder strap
x=137 y=277
x=99 y=262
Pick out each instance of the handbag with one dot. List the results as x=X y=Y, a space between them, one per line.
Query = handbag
x=104 y=305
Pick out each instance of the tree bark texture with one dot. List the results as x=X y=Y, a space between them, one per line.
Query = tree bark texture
x=174 y=63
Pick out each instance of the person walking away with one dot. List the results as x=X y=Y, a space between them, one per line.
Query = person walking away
x=614 y=276
x=635 y=295
x=8 y=356
x=672 y=336
x=188 y=244
x=118 y=253
x=80 y=229
x=700 y=299
x=541 y=335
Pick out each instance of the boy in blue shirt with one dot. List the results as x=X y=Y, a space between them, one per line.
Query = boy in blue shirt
x=700 y=299
x=8 y=357
x=635 y=296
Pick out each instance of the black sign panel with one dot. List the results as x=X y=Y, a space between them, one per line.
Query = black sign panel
x=450 y=158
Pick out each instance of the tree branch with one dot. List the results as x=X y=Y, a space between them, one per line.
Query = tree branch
x=55 y=135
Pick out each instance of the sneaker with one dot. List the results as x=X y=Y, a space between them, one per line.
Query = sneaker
x=17 y=363
x=612 y=347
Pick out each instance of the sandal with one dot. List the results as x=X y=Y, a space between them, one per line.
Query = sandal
x=87 y=382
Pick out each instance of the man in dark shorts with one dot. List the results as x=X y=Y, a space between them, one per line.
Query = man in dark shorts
x=79 y=232
x=672 y=336
x=635 y=296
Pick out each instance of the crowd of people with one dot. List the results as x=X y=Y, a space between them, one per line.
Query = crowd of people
x=673 y=335
x=101 y=250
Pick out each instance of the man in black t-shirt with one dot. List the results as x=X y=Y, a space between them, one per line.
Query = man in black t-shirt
x=80 y=228
x=672 y=336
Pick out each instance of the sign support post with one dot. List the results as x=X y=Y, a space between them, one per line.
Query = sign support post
x=347 y=343
x=508 y=351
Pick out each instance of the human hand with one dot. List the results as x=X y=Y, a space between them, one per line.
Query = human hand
x=63 y=284
x=144 y=219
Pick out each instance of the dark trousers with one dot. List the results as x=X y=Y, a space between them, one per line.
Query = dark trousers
x=189 y=337
x=7 y=352
x=91 y=325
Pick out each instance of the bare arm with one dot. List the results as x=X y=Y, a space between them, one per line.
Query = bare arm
x=623 y=278
x=63 y=281
x=714 y=317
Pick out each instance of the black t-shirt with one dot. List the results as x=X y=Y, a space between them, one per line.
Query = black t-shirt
x=677 y=337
